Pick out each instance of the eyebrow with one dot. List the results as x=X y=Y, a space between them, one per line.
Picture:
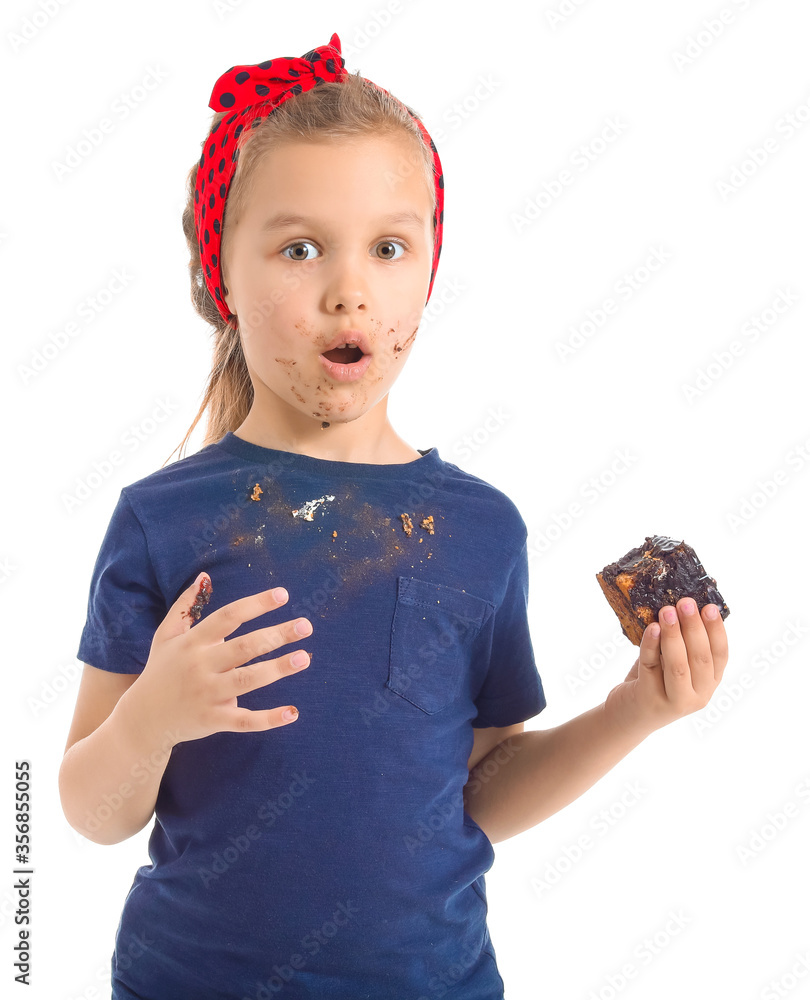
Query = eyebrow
x=283 y=220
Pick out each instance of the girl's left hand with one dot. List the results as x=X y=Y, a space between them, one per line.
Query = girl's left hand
x=676 y=672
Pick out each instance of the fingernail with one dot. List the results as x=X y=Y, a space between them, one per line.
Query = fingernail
x=670 y=615
x=712 y=611
x=655 y=630
x=688 y=607
x=299 y=659
x=289 y=713
x=302 y=627
x=280 y=594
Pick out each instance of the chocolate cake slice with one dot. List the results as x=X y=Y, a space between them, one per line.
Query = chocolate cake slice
x=657 y=573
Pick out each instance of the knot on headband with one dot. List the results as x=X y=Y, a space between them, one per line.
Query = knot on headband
x=277 y=79
x=253 y=92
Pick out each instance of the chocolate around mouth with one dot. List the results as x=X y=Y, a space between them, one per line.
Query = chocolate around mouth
x=343 y=355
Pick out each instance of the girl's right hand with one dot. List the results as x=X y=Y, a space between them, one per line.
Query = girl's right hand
x=190 y=683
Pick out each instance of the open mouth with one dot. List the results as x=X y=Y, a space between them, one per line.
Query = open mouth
x=344 y=355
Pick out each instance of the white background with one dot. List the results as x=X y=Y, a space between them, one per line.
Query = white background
x=485 y=384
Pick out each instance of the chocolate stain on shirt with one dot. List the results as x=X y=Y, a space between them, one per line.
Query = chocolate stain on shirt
x=371 y=540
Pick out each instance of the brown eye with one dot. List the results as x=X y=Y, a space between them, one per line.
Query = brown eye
x=388 y=248
x=298 y=253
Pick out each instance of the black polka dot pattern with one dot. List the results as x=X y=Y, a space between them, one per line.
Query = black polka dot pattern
x=254 y=92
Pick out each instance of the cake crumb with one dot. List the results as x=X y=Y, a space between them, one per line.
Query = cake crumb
x=407 y=524
x=307 y=511
x=257 y=492
x=334 y=534
x=427 y=522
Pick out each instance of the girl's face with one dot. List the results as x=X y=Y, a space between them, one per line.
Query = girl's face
x=356 y=257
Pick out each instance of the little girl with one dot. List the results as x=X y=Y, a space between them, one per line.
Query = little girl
x=309 y=560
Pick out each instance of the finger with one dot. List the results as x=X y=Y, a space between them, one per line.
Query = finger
x=677 y=675
x=232 y=683
x=227 y=619
x=633 y=674
x=716 y=631
x=246 y=720
x=243 y=648
x=698 y=648
x=187 y=609
x=650 y=674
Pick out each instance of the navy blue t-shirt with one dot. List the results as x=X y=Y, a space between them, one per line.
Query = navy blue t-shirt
x=331 y=857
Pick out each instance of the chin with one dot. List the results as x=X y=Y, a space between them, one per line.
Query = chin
x=332 y=418
x=350 y=412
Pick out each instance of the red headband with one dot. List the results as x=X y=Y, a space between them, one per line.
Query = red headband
x=255 y=92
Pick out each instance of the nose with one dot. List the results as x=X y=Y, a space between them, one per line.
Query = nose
x=347 y=290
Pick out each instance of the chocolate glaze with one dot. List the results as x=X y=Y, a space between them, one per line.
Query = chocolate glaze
x=660 y=572
x=202 y=597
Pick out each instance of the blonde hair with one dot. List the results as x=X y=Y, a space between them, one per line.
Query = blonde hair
x=330 y=111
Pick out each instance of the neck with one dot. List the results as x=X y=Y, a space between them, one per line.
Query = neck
x=370 y=438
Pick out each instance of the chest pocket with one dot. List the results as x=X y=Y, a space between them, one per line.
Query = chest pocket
x=432 y=635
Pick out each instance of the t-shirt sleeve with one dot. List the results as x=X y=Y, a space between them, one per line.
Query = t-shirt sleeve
x=512 y=690
x=125 y=605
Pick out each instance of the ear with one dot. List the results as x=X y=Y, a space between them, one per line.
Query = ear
x=227 y=295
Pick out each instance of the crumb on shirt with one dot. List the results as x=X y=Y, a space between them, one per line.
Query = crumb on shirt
x=307 y=510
